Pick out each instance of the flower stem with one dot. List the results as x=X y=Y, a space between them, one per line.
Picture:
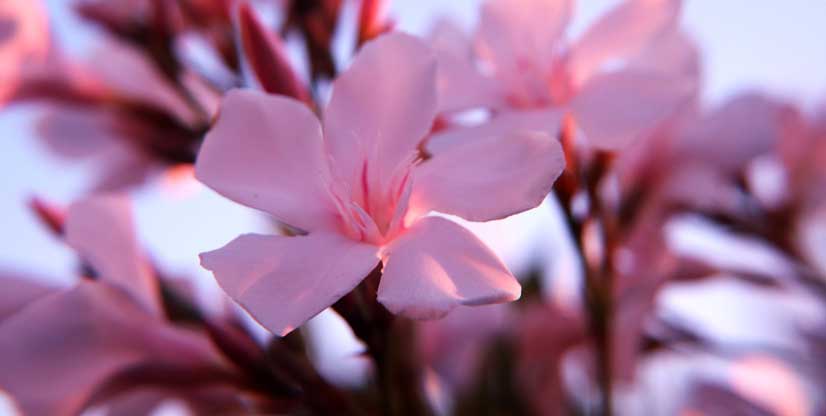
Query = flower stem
x=596 y=245
x=391 y=343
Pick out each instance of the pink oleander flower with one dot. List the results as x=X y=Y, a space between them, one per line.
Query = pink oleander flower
x=356 y=184
x=124 y=117
x=627 y=74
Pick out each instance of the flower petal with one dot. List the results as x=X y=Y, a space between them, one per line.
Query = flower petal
x=267 y=152
x=516 y=32
x=614 y=109
x=621 y=33
x=382 y=106
x=130 y=74
x=58 y=351
x=490 y=177
x=18 y=291
x=284 y=281
x=437 y=265
x=739 y=130
x=546 y=120
x=673 y=53
x=101 y=229
x=24 y=41
x=461 y=85
x=25 y=27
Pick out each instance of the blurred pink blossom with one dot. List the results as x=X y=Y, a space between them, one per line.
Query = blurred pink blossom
x=454 y=346
x=71 y=347
x=627 y=74
x=24 y=39
x=124 y=116
x=545 y=334
x=708 y=150
x=101 y=230
x=768 y=381
x=18 y=291
x=356 y=184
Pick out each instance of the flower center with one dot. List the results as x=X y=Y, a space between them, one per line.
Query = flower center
x=374 y=208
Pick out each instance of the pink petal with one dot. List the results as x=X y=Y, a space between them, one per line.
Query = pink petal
x=519 y=33
x=719 y=191
x=454 y=346
x=123 y=168
x=382 y=106
x=99 y=137
x=56 y=352
x=73 y=132
x=461 y=86
x=24 y=27
x=284 y=281
x=437 y=265
x=616 y=108
x=742 y=128
x=18 y=291
x=267 y=152
x=672 y=53
x=101 y=230
x=546 y=120
x=24 y=39
x=446 y=36
x=490 y=177
x=131 y=75
x=622 y=33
